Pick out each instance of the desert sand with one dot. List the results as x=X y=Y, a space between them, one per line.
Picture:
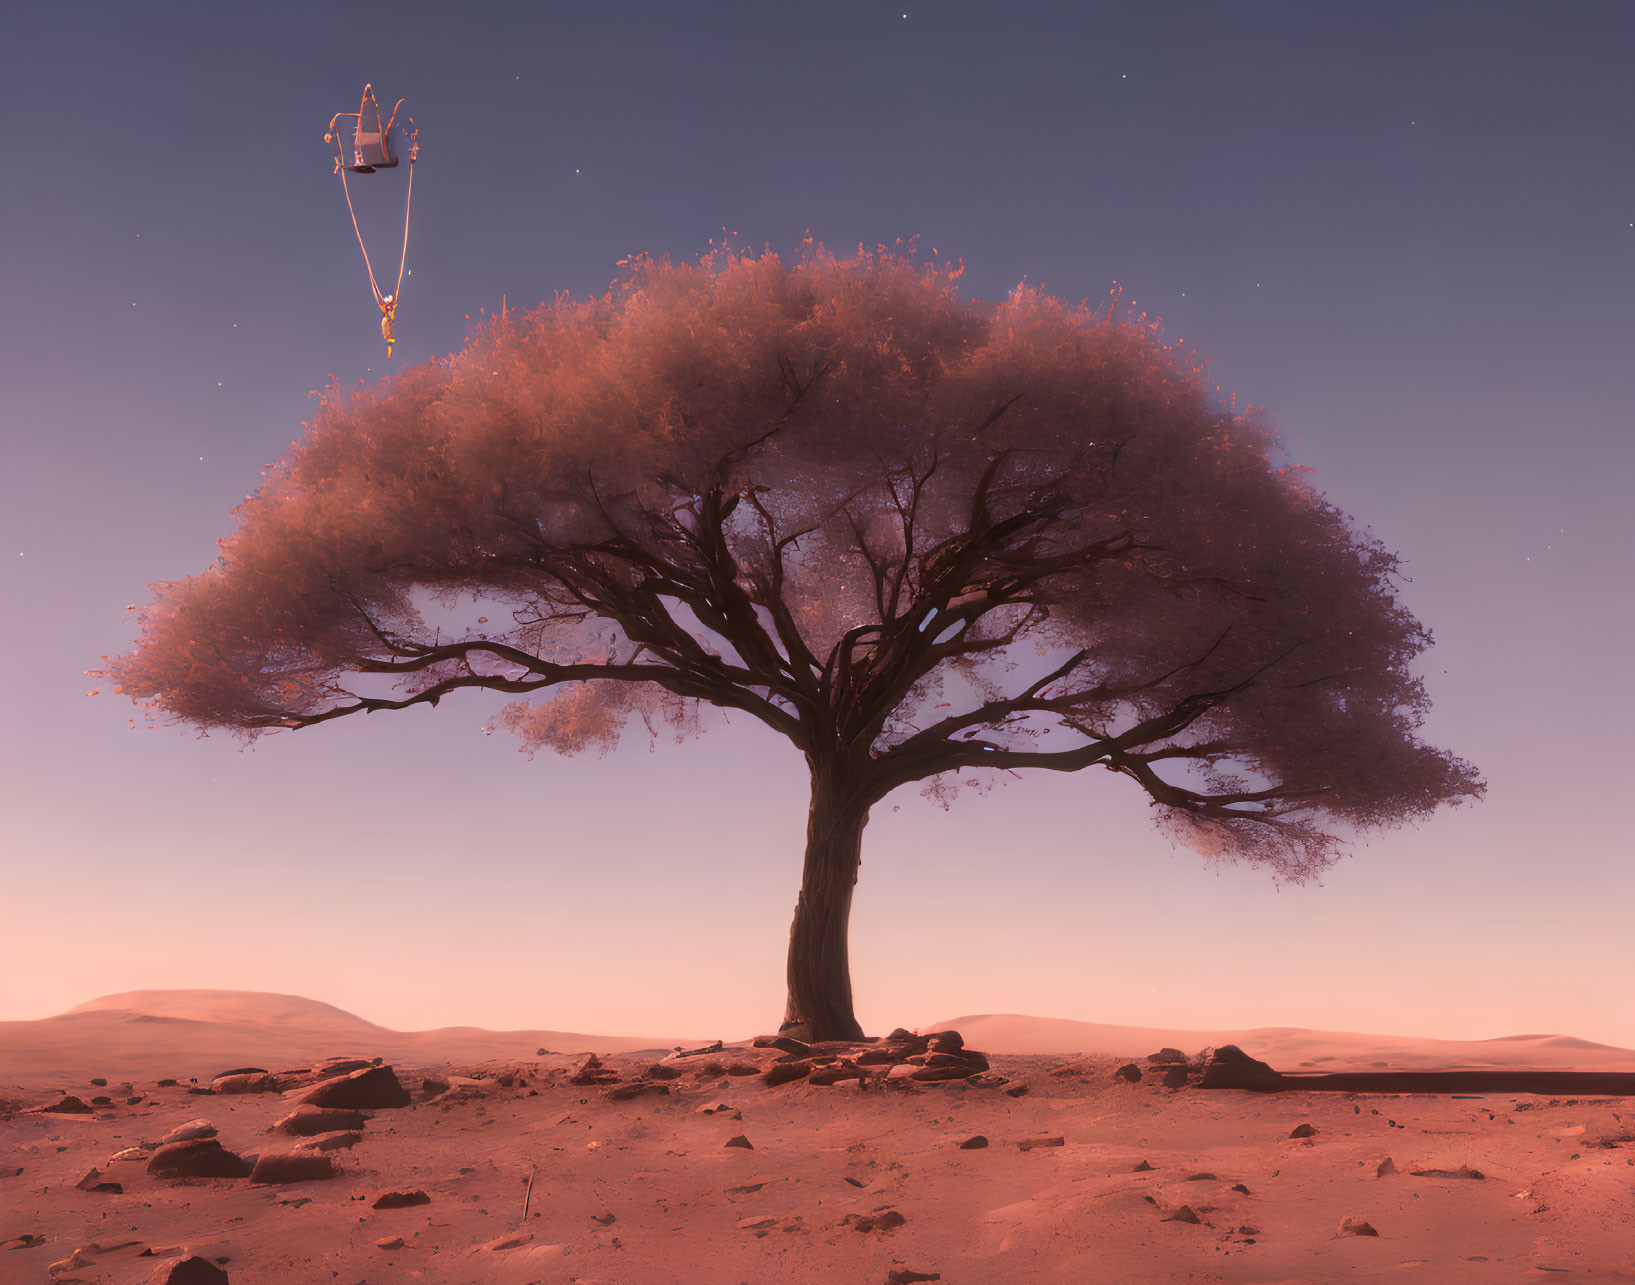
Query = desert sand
x=639 y=1173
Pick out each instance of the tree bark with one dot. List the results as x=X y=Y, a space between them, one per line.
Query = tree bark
x=819 y=970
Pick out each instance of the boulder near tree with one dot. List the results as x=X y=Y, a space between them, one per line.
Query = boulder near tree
x=924 y=538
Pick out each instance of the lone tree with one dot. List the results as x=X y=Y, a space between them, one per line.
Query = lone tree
x=921 y=537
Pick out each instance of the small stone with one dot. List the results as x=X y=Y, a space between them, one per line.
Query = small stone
x=28 y=1240
x=1183 y=1215
x=389 y=1242
x=945 y=1041
x=976 y=1142
x=880 y=1222
x=711 y=1108
x=165 y=1084
x=192 y=1270
x=1355 y=1226
x=70 y=1105
x=1130 y=1073
x=1463 y=1171
x=103 y=1101
x=711 y=1070
x=606 y=1219
x=908 y=1276
x=738 y=1140
x=1031 y=1144
x=784 y=1072
x=336 y=1141
x=756 y=1223
x=1238 y=1186
x=366 y=1089
x=91 y=1178
x=109 y=1188
x=99 y=1082
x=743 y=1068
x=744 y=1189
x=305 y=1121
x=294 y=1166
x=1141 y=1166
x=400 y=1199
x=1386 y=1168
x=1016 y=1091
x=634 y=1089
x=197 y=1158
x=192 y=1130
x=1205 y=1176
x=1303 y=1131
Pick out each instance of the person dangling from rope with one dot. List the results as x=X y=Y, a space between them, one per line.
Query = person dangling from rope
x=388 y=311
x=372 y=151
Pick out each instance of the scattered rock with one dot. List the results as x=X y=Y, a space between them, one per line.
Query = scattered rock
x=189 y=1132
x=336 y=1141
x=784 y=1072
x=389 y=1242
x=1355 y=1226
x=738 y=1140
x=634 y=1089
x=1030 y=1144
x=371 y=1088
x=712 y=1108
x=974 y=1143
x=294 y=1166
x=400 y=1199
x=591 y=1071
x=1387 y=1167
x=1130 y=1073
x=333 y=1066
x=197 y=1158
x=1303 y=1131
x=70 y=1105
x=1229 y=1067
x=246 y=1082
x=1166 y=1055
x=908 y=1276
x=1183 y=1215
x=875 y=1222
x=306 y=1121
x=1463 y=1171
x=191 y=1270
x=932 y=1074
x=1175 y=1077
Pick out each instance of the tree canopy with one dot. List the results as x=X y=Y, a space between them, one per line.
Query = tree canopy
x=920 y=536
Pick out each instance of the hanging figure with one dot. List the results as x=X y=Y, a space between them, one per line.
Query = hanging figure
x=371 y=151
x=388 y=310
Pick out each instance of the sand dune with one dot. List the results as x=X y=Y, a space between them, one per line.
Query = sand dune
x=198 y=1032
x=1291 y=1048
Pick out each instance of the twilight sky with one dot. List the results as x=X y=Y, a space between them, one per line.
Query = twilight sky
x=1408 y=229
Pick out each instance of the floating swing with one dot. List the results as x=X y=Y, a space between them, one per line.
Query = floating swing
x=371 y=150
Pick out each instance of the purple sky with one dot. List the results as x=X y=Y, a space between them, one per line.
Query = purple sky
x=1407 y=229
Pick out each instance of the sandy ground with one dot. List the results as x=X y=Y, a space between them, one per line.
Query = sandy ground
x=645 y=1189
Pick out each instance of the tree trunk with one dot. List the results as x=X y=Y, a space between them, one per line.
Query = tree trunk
x=819 y=972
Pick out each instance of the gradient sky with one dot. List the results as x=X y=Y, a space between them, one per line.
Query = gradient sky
x=1408 y=229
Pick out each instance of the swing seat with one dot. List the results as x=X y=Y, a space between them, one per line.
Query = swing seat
x=370 y=153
